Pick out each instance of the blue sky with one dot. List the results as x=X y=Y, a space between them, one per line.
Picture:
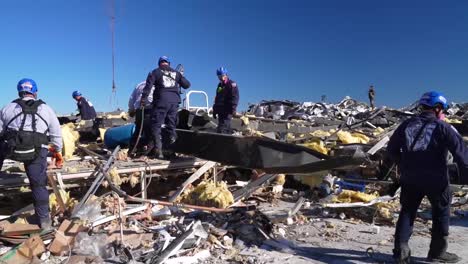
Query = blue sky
x=297 y=49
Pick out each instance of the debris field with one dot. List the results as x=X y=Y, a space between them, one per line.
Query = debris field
x=296 y=183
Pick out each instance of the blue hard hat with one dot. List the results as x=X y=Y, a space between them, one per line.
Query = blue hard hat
x=76 y=93
x=221 y=71
x=27 y=85
x=431 y=99
x=164 y=58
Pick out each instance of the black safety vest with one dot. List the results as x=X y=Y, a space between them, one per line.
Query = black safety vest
x=23 y=145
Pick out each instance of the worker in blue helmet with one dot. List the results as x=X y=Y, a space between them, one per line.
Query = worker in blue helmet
x=419 y=146
x=86 y=109
x=226 y=101
x=29 y=130
x=166 y=100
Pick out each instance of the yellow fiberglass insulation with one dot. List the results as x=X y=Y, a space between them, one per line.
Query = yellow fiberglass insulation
x=378 y=131
x=115 y=177
x=70 y=138
x=453 y=121
x=348 y=138
x=69 y=201
x=211 y=194
x=317 y=145
x=245 y=120
x=102 y=132
x=320 y=133
x=313 y=180
x=280 y=179
x=348 y=196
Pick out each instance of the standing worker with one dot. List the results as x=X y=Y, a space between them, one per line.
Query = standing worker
x=142 y=116
x=419 y=146
x=371 y=94
x=166 y=100
x=85 y=107
x=27 y=126
x=226 y=100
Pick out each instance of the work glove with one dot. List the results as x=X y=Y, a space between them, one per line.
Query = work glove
x=57 y=158
x=131 y=113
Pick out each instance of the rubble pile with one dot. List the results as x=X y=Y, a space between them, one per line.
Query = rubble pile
x=289 y=110
x=289 y=167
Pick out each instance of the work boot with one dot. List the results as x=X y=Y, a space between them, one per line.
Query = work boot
x=438 y=252
x=46 y=224
x=402 y=255
x=445 y=257
x=170 y=155
x=156 y=154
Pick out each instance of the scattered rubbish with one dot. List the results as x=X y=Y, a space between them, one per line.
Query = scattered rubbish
x=289 y=166
x=95 y=245
x=89 y=212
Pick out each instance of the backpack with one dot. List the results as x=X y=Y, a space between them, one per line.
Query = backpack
x=25 y=146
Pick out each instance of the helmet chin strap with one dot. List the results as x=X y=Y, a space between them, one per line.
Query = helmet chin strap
x=438 y=111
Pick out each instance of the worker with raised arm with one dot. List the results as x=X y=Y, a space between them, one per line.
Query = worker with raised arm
x=166 y=100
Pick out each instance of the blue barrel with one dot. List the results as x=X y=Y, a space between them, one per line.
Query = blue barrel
x=119 y=136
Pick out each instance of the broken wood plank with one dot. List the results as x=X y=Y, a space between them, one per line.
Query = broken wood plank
x=65 y=237
x=20 y=229
x=208 y=165
x=113 y=217
x=58 y=194
x=32 y=247
x=297 y=206
x=252 y=187
x=378 y=146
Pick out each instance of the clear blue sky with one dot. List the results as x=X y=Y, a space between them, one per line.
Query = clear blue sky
x=297 y=49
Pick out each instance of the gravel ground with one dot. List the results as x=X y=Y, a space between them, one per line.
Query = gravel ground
x=345 y=241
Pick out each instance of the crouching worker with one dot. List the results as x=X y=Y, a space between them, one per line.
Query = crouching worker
x=420 y=146
x=27 y=127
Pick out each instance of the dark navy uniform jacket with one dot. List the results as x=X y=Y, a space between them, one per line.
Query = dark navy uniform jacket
x=420 y=144
x=86 y=108
x=227 y=98
x=166 y=83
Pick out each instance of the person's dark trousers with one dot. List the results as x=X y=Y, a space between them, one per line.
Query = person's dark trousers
x=224 y=124
x=36 y=171
x=410 y=199
x=164 y=113
x=371 y=100
x=146 y=135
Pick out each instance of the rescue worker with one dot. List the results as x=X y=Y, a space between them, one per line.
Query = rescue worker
x=166 y=100
x=85 y=107
x=142 y=116
x=226 y=100
x=419 y=146
x=371 y=94
x=27 y=127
